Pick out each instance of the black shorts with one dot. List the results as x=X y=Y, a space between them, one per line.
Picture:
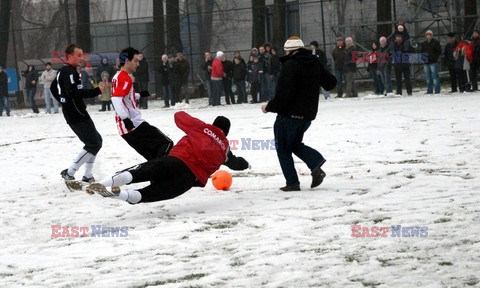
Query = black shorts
x=149 y=141
x=88 y=134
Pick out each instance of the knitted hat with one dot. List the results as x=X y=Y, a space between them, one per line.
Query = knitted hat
x=293 y=43
x=222 y=123
x=429 y=32
x=219 y=54
x=314 y=43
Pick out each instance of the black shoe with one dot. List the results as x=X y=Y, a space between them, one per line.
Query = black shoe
x=101 y=110
x=453 y=91
x=166 y=106
x=65 y=175
x=290 y=188
x=317 y=177
x=89 y=180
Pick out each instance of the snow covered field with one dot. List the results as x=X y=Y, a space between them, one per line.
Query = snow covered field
x=409 y=161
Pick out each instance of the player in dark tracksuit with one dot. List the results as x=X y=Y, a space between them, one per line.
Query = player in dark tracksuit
x=190 y=163
x=68 y=90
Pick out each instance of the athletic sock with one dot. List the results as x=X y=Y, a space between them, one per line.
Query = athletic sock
x=130 y=195
x=89 y=167
x=82 y=158
x=118 y=180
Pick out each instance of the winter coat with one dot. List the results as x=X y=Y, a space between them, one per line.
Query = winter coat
x=338 y=55
x=322 y=57
x=29 y=77
x=275 y=65
x=184 y=69
x=432 y=49
x=164 y=71
x=3 y=84
x=204 y=67
x=475 y=44
x=448 y=54
x=399 y=60
x=349 y=64
x=47 y=78
x=254 y=71
x=107 y=94
x=463 y=56
x=174 y=77
x=240 y=71
x=104 y=67
x=384 y=59
x=298 y=87
x=373 y=59
x=141 y=74
x=204 y=149
x=217 y=69
x=228 y=69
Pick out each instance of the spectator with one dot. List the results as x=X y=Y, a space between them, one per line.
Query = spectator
x=401 y=67
x=475 y=63
x=227 y=80
x=217 y=76
x=338 y=55
x=104 y=66
x=4 y=92
x=450 y=61
x=207 y=78
x=350 y=68
x=268 y=72
x=142 y=77
x=239 y=74
x=184 y=69
x=402 y=30
x=106 y=96
x=463 y=57
x=174 y=78
x=46 y=79
x=372 y=68
x=166 y=89
x=254 y=72
x=432 y=48
x=31 y=79
x=322 y=57
x=384 y=66
x=275 y=69
x=263 y=84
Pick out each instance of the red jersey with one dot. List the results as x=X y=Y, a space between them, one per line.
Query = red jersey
x=204 y=149
x=217 y=69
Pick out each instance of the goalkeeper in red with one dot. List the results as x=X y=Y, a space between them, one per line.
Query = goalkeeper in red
x=146 y=139
x=190 y=163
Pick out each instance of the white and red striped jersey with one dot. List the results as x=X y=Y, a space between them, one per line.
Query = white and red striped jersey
x=125 y=101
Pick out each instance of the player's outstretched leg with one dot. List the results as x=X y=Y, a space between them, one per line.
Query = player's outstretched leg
x=102 y=190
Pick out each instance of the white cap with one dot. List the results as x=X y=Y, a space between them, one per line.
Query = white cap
x=219 y=54
x=293 y=43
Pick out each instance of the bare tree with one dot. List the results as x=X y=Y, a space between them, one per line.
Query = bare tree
x=279 y=22
x=82 y=8
x=258 y=28
x=204 y=9
x=470 y=10
x=158 y=43
x=174 y=42
x=384 y=14
x=4 y=30
x=341 y=5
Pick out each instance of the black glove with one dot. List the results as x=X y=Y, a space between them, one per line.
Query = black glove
x=128 y=124
x=144 y=94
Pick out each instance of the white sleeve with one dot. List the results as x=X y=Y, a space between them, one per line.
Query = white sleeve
x=119 y=107
x=137 y=96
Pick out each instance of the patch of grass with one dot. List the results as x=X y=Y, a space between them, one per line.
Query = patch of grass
x=445 y=263
x=237 y=262
x=171 y=281
x=442 y=220
x=351 y=258
x=472 y=282
x=217 y=225
x=411 y=176
x=378 y=220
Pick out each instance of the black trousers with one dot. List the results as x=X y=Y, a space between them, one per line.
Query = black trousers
x=227 y=87
x=462 y=80
x=149 y=141
x=453 y=78
x=474 y=75
x=88 y=134
x=254 y=89
x=406 y=76
x=169 y=178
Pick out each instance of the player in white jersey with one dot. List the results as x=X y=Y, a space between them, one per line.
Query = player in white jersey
x=147 y=140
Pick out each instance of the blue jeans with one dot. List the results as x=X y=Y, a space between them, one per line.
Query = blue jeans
x=326 y=94
x=217 y=88
x=377 y=82
x=386 y=79
x=340 y=78
x=167 y=94
x=4 y=103
x=241 y=91
x=432 y=78
x=288 y=139
x=31 y=98
x=208 y=85
x=48 y=99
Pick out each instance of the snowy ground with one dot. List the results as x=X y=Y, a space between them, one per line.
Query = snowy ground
x=410 y=161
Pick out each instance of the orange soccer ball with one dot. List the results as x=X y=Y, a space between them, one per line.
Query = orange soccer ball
x=222 y=180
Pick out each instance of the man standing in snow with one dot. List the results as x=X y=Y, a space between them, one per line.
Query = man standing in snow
x=190 y=163
x=431 y=47
x=68 y=90
x=46 y=78
x=296 y=103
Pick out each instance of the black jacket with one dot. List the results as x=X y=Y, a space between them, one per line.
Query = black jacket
x=228 y=69
x=3 y=84
x=71 y=94
x=208 y=72
x=29 y=77
x=338 y=55
x=141 y=74
x=349 y=65
x=398 y=58
x=448 y=54
x=184 y=71
x=433 y=50
x=299 y=84
x=164 y=71
x=240 y=71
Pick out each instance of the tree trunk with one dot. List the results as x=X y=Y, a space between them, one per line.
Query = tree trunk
x=174 y=42
x=67 y=21
x=17 y=25
x=470 y=10
x=84 y=40
x=158 y=43
x=204 y=9
x=279 y=23
x=384 y=13
x=341 y=6
x=4 y=30
x=258 y=28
